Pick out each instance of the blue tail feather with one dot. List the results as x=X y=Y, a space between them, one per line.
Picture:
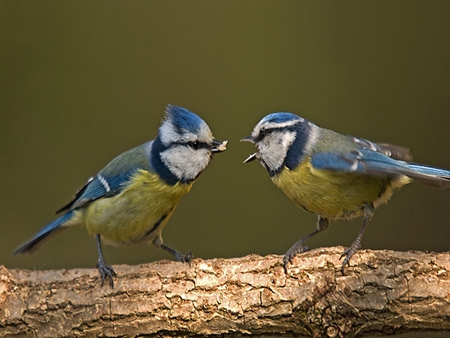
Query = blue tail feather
x=44 y=235
x=429 y=170
x=436 y=177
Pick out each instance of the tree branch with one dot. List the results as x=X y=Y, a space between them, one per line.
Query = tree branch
x=383 y=292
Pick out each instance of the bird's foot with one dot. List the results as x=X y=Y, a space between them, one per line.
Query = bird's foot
x=180 y=257
x=106 y=271
x=349 y=252
x=292 y=252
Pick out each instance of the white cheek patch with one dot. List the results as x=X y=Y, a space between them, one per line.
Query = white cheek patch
x=274 y=147
x=184 y=162
x=288 y=139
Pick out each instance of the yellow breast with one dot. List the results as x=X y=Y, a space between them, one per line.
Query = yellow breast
x=334 y=195
x=138 y=213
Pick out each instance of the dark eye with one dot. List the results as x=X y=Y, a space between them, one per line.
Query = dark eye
x=195 y=145
x=262 y=133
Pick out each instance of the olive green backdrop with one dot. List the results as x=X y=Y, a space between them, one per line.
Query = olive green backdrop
x=83 y=81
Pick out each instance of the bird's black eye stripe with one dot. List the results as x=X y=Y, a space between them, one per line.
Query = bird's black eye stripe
x=194 y=144
x=264 y=132
x=197 y=145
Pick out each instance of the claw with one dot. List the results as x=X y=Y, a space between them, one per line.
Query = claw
x=179 y=257
x=349 y=252
x=291 y=253
x=106 y=271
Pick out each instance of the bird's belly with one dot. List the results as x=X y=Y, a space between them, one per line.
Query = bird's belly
x=332 y=195
x=138 y=213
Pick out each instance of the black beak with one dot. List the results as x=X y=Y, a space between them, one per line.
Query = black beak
x=218 y=147
x=247 y=139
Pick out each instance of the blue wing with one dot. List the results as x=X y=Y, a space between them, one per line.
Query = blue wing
x=98 y=187
x=113 y=178
x=372 y=163
x=363 y=161
x=393 y=151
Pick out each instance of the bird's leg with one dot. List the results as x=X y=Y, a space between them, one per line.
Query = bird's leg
x=179 y=256
x=356 y=245
x=104 y=269
x=298 y=247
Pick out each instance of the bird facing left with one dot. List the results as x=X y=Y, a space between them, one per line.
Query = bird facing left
x=132 y=198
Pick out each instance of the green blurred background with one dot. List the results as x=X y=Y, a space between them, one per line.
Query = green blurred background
x=83 y=81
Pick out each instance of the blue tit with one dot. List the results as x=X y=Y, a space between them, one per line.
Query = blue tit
x=333 y=175
x=133 y=197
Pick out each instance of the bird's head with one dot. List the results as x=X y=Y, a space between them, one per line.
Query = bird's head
x=282 y=139
x=188 y=143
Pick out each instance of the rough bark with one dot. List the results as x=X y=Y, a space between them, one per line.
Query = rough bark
x=382 y=292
